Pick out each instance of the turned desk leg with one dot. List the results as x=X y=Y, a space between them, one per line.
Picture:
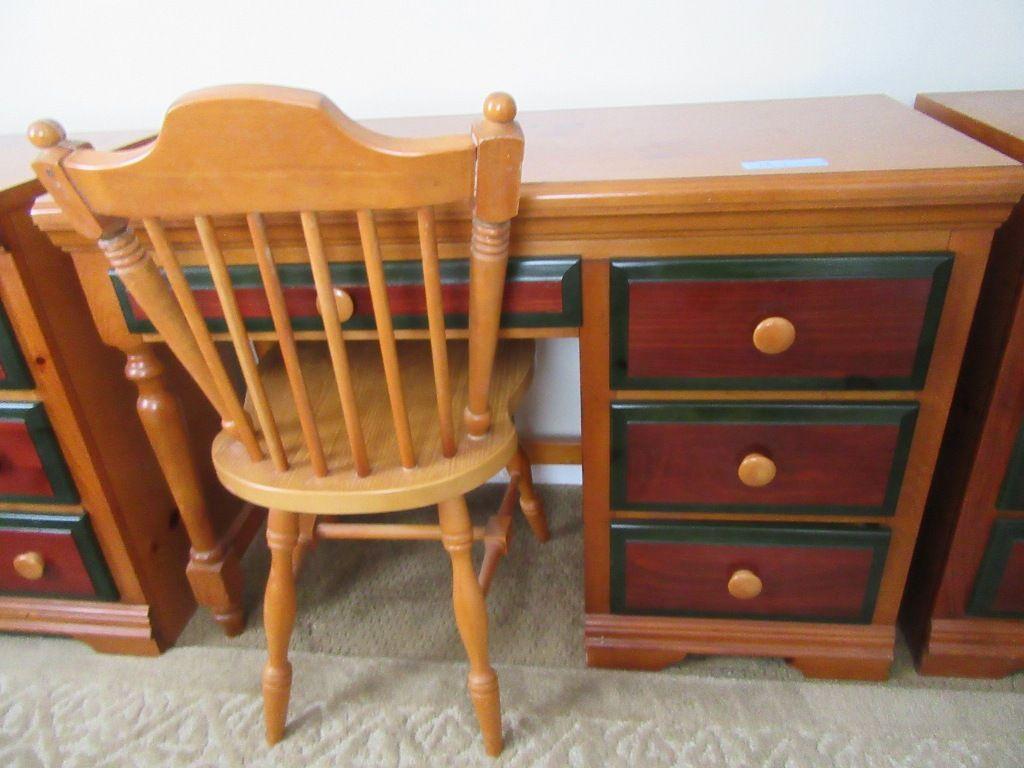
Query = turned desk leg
x=213 y=569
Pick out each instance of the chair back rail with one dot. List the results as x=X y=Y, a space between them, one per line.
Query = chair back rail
x=254 y=150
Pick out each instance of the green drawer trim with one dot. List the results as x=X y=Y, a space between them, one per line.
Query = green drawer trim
x=623 y=413
x=81 y=531
x=565 y=269
x=1005 y=533
x=17 y=375
x=34 y=417
x=1011 y=495
x=750 y=534
x=937 y=265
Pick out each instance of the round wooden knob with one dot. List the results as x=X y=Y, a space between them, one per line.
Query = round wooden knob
x=343 y=301
x=343 y=304
x=46 y=133
x=774 y=335
x=756 y=470
x=745 y=584
x=29 y=565
x=499 y=107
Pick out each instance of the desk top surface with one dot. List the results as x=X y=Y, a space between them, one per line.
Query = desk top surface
x=613 y=146
x=993 y=117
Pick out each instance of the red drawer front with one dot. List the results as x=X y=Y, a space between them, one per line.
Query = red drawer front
x=72 y=565
x=819 y=574
x=13 y=372
x=525 y=297
x=828 y=458
x=538 y=292
x=64 y=572
x=866 y=328
x=859 y=321
x=1010 y=594
x=818 y=465
x=22 y=472
x=999 y=585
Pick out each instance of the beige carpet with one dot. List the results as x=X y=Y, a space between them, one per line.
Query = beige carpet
x=379 y=682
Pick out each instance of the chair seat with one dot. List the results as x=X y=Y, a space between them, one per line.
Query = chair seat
x=389 y=486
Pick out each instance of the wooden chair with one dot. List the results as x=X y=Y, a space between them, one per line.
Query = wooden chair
x=337 y=430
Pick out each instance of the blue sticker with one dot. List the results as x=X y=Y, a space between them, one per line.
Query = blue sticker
x=773 y=165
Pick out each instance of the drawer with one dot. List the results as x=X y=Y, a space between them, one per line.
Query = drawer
x=13 y=371
x=1011 y=495
x=797 y=322
x=999 y=589
x=539 y=292
x=32 y=468
x=773 y=571
x=52 y=556
x=819 y=458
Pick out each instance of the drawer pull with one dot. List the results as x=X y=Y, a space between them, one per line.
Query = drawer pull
x=343 y=302
x=30 y=565
x=745 y=585
x=756 y=470
x=774 y=335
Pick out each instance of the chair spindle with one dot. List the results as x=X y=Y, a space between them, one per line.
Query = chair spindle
x=386 y=335
x=286 y=339
x=235 y=419
x=335 y=341
x=240 y=340
x=435 y=321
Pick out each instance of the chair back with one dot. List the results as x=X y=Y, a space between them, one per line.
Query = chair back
x=257 y=150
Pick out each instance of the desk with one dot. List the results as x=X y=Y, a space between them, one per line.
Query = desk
x=749 y=488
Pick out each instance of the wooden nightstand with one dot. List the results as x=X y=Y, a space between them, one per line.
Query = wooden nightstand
x=964 y=609
x=90 y=542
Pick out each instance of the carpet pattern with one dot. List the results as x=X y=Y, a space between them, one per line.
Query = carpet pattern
x=62 y=705
x=380 y=672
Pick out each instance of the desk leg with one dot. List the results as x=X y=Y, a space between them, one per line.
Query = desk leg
x=213 y=569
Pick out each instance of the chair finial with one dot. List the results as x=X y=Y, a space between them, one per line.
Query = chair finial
x=499 y=107
x=46 y=133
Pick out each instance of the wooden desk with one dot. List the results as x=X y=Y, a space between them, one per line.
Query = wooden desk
x=864 y=224
x=964 y=611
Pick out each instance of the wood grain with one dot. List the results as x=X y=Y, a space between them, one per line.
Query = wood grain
x=390 y=486
x=820 y=583
x=840 y=466
x=696 y=329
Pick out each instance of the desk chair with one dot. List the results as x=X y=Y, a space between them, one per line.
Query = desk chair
x=353 y=427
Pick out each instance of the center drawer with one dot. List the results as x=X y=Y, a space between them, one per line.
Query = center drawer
x=771 y=322
x=760 y=457
x=771 y=571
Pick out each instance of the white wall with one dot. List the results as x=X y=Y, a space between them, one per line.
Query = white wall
x=108 y=64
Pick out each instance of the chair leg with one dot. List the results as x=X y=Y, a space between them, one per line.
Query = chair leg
x=471 y=618
x=278 y=619
x=306 y=542
x=529 y=501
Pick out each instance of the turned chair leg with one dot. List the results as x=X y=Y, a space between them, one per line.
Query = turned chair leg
x=278 y=619
x=529 y=501
x=306 y=541
x=471 y=618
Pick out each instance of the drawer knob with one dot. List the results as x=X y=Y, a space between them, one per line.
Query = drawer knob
x=774 y=335
x=745 y=584
x=30 y=565
x=342 y=302
x=756 y=470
